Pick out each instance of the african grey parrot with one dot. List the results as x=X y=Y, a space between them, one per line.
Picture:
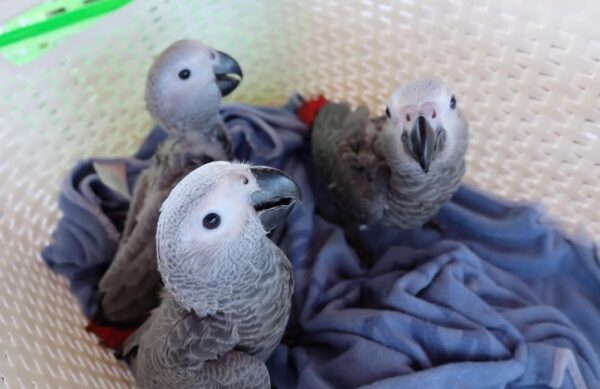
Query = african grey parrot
x=228 y=287
x=183 y=94
x=398 y=169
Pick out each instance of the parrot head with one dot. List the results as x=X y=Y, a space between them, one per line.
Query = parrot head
x=212 y=229
x=186 y=83
x=424 y=126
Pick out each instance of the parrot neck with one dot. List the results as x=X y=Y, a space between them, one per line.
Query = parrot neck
x=212 y=140
x=428 y=193
x=238 y=274
x=201 y=125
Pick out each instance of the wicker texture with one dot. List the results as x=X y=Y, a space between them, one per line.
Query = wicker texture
x=526 y=73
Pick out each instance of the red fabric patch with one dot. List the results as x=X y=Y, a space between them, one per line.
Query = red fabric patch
x=109 y=336
x=309 y=110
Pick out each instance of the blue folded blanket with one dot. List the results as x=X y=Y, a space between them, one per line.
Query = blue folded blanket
x=499 y=298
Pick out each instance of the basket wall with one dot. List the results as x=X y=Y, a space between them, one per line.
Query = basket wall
x=527 y=75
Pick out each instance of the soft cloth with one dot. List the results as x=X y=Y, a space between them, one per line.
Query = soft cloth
x=88 y=234
x=498 y=298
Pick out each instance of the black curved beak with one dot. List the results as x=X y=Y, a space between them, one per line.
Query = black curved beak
x=227 y=72
x=276 y=196
x=422 y=140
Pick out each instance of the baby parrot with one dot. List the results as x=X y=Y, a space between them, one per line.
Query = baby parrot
x=228 y=287
x=397 y=169
x=184 y=89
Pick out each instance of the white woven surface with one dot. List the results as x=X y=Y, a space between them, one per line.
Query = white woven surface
x=526 y=73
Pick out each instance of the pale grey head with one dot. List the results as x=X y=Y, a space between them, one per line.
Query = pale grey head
x=211 y=235
x=186 y=83
x=424 y=128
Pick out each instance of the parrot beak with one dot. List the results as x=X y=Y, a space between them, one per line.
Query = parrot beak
x=227 y=72
x=276 y=196
x=422 y=140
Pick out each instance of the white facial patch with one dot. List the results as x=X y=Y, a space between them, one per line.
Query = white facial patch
x=230 y=201
x=430 y=98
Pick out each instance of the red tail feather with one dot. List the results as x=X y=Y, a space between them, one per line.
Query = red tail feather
x=309 y=110
x=109 y=336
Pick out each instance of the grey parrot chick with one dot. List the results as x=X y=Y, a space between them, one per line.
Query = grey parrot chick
x=184 y=89
x=398 y=169
x=228 y=287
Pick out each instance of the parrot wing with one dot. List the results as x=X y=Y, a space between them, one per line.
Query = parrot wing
x=131 y=285
x=343 y=153
x=189 y=348
x=207 y=345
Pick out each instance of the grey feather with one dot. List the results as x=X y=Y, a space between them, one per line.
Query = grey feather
x=382 y=169
x=344 y=154
x=176 y=346
x=414 y=199
x=227 y=290
x=189 y=110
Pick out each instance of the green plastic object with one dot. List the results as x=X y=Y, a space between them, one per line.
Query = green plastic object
x=29 y=35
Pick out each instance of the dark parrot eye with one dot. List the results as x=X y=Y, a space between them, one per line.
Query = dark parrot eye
x=387 y=112
x=185 y=74
x=211 y=221
x=453 y=102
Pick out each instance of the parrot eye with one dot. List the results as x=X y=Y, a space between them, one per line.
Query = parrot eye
x=211 y=221
x=453 y=102
x=387 y=112
x=185 y=74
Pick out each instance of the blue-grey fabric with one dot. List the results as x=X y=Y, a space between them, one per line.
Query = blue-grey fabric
x=494 y=297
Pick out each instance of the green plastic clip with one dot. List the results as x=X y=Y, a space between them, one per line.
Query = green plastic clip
x=27 y=36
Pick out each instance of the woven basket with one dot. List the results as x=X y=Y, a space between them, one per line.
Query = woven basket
x=527 y=75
